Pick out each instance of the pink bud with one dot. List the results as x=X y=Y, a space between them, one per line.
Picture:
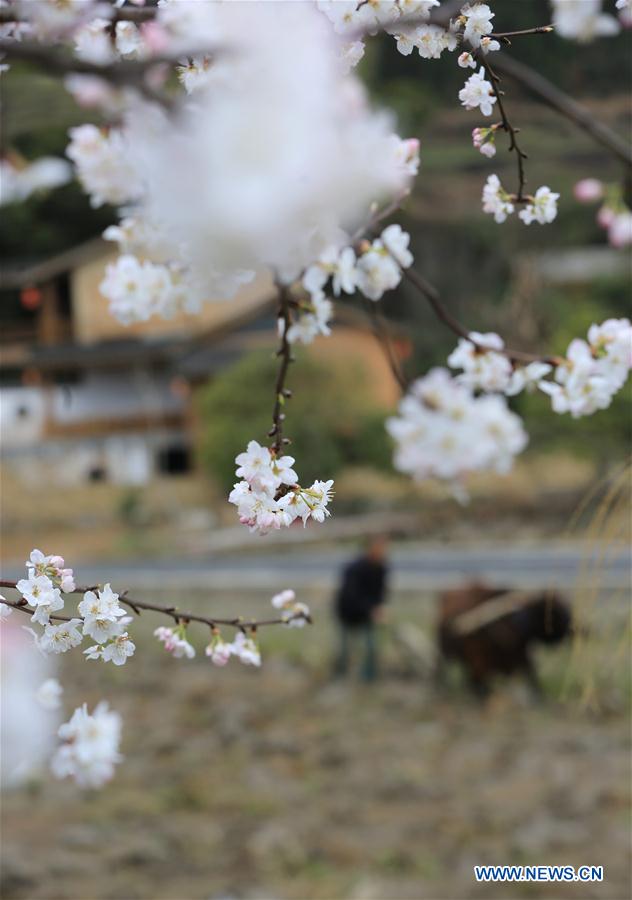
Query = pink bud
x=588 y=190
x=620 y=230
x=605 y=216
x=155 y=37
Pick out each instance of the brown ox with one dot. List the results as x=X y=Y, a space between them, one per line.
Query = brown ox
x=490 y=631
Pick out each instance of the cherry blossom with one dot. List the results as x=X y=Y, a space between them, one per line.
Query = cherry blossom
x=48 y=695
x=444 y=431
x=246 y=650
x=269 y=496
x=5 y=610
x=90 y=746
x=102 y=614
x=54 y=568
x=593 y=371
x=496 y=200
x=296 y=614
x=542 y=207
x=527 y=378
x=478 y=93
x=478 y=22
x=45 y=173
x=60 y=638
x=40 y=593
x=466 y=60
x=103 y=166
x=396 y=242
x=483 y=140
x=175 y=641
x=484 y=370
x=588 y=190
x=582 y=20
x=219 y=650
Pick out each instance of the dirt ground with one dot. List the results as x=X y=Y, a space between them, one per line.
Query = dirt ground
x=282 y=784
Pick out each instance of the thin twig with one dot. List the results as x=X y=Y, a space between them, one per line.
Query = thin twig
x=561 y=102
x=382 y=336
x=284 y=353
x=173 y=612
x=507 y=126
x=432 y=295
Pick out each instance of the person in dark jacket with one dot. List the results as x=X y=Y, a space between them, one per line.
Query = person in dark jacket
x=359 y=604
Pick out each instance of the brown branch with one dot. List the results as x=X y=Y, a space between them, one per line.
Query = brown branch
x=505 y=36
x=178 y=615
x=284 y=353
x=432 y=295
x=561 y=102
x=507 y=127
x=382 y=337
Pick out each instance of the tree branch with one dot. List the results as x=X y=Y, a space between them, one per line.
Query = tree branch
x=432 y=295
x=178 y=615
x=284 y=353
x=561 y=102
x=507 y=126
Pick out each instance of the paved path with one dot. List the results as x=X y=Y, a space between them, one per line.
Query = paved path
x=415 y=567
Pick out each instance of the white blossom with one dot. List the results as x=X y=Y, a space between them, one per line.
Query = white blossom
x=90 y=747
x=48 y=695
x=300 y=160
x=53 y=567
x=478 y=22
x=60 y=638
x=175 y=641
x=482 y=370
x=466 y=61
x=620 y=229
x=194 y=73
x=377 y=271
x=444 y=431
x=396 y=242
x=45 y=173
x=246 y=650
x=128 y=39
x=138 y=290
x=483 y=139
x=219 y=650
x=582 y=20
x=269 y=496
x=478 y=93
x=496 y=200
x=295 y=614
x=119 y=650
x=592 y=372
x=542 y=208
x=527 y=377
x=103 y=165
x=93 y=42
x=5 y=609
x=40 y=593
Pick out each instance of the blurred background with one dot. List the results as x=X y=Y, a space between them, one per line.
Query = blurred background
x=118 y=449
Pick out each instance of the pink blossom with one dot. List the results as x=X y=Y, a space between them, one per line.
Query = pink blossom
x=588 y=190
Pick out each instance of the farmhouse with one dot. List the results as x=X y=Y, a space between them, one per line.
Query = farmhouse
x=84 y=398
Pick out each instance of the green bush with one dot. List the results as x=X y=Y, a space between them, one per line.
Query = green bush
x=331 y=419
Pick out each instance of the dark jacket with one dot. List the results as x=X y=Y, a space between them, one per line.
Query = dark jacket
x=363 y=588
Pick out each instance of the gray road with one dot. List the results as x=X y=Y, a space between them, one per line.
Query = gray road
x=415 y=567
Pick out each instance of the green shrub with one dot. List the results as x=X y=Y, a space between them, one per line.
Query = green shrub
x=331 y=419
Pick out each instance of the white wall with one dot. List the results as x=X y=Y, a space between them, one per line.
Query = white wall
x=22 y=416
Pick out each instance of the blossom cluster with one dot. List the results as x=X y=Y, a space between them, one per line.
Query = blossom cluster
x=613 y=215
x=89 y=747
x=319 y=157
x=593 y=370
x=243 y=646
x=19 y=180
x=584 y=20
x=540 y=207
x=585 y=381
x=375 y=269
x=269 y=495
x=408 y=22
x=443 y=430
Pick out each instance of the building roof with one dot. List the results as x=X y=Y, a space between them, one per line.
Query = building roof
x=44 y=270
